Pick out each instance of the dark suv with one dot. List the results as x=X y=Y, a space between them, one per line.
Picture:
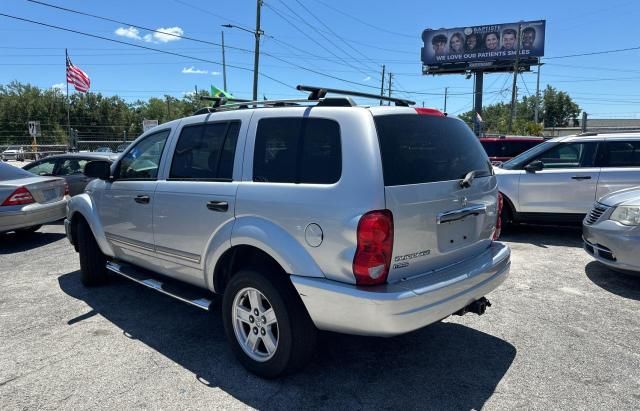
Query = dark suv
x=503 y=148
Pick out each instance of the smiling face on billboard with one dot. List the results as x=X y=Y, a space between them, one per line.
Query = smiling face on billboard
x=491 y=41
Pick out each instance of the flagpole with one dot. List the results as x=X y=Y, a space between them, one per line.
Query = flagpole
x=66 y=61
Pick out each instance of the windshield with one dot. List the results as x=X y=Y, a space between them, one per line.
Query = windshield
x=419 y=149
x=524 y=158
x=9 y=172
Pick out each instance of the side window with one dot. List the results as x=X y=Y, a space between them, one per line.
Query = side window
x=297 y=150
x=71 y=166
x=623 y=153
x=205 y=152
x=143 y=160
x=42 y=168
x=569 y=155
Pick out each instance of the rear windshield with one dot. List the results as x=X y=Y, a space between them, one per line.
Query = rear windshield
x=419 y=149
x=506 y=148
x=9 y=172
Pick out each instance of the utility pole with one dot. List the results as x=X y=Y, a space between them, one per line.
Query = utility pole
x=390 y=77
x=535 y=113
x=514 y=92
x=257 y=33
x=224 y=66
x=168 y=109
x=477 y=100
x=382 y=84
x=446 y=89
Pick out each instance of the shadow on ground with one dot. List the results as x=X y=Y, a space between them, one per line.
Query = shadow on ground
x=544 y=236
x=615 y=282
x=12 y=243
x=444 y=366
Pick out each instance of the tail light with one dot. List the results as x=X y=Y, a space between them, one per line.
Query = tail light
x=496 y=232
x=19 y=197
x=375 y=244
x=66 y=189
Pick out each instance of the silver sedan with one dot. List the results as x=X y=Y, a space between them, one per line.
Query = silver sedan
x=611 y=230
x=27 y=201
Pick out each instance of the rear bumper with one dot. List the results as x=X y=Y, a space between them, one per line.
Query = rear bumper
x=33 y=215
x=613 y=244
x=405 y=306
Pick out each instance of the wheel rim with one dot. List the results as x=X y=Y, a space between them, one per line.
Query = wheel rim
x=255 y=324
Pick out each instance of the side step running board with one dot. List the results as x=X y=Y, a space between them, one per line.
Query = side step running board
x=180 y=291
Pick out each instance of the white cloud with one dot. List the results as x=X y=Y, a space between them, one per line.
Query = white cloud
x=215 y=73
x=61 y=87
x=366 y=78
x=165 y=38
x=167 y=34
x=130 y=32
x=193 y=70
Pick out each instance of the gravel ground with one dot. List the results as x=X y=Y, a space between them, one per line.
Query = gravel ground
x=562 y=333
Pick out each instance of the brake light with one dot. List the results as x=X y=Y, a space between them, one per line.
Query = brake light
x=66 y=189
x=429 y=111
x=375 y=244
x=19 y=197
x=498 y=229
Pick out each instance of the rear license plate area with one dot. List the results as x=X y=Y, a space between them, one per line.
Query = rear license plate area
x=457 y=234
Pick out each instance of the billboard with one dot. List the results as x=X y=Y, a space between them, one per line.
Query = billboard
x=464 y=48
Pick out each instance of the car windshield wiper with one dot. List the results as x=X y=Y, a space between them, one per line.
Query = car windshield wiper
x=468 y=178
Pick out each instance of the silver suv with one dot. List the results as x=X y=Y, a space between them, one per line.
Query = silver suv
x=307 y=215
x=559 y=180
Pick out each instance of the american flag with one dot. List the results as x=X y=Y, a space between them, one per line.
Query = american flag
x=77 y=77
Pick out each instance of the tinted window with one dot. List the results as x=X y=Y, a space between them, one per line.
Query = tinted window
x=422 y=149
x=71 y=166
x=569 y=155
x=297 y=150
x=205 y=152
x=142 y=161
x=623 y=154
x=41 y=168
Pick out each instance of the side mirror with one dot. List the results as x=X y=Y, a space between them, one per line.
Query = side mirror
x=534 y=166
x=98 y=169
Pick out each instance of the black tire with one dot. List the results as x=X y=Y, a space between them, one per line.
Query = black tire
x=296 y=332
x=25 y=232
x=93 y=269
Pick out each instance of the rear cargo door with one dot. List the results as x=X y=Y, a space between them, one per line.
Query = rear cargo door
x=437 y=221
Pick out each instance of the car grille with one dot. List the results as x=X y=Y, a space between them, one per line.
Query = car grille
x=595 y=213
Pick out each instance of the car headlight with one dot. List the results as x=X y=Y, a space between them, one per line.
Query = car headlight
x=627 y=215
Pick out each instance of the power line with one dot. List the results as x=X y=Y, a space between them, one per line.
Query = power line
x=310 y=37
x=364 y=22
x=593 y=53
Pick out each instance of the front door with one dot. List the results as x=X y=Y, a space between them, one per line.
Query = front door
x=566 y=184
x=125 y=204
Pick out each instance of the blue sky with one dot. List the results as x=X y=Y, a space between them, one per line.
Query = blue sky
x=357 y=38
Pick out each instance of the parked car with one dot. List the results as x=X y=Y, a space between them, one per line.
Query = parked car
x=103 y=150
x=69 y=166
x=27 y=201
x=13 y=153
x=373 y=221
x=559 y=180
x=503 y=148
x=611 y=231
x=122 y=147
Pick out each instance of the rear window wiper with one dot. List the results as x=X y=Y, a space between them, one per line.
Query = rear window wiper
x=468 y=178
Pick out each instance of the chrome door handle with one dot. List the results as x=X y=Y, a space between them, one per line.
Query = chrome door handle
x=221 y=206
x=581 y=178
x=142 y=199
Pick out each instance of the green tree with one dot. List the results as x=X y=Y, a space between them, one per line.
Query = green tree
x=559 y=108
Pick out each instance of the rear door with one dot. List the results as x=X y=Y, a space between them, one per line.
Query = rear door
x=436 y=221
x=621 y=168
x=198 y=196
x=567 y=183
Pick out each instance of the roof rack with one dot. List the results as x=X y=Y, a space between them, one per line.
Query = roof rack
x=320 y=92
x=317 y=94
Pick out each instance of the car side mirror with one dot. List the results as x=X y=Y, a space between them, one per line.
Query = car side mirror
x=98 y=169
x=534 y=166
